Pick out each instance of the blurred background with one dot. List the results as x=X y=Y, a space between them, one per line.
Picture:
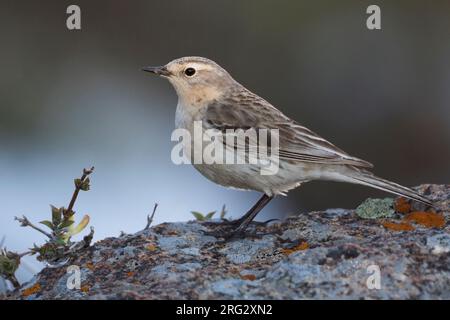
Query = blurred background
x=72 y=99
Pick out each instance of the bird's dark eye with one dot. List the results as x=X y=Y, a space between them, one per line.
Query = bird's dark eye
x=189 y=72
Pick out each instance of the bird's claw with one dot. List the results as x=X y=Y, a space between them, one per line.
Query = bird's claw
x=229 y=234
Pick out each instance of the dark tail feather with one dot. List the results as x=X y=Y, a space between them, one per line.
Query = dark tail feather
x=388 y=186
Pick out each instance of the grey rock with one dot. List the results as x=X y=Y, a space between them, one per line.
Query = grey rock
x=191 y=251
x=439 y=243
x=169 y=243
x=345 y=257
x=188 y=266
x=245 y=250
x=228 y=287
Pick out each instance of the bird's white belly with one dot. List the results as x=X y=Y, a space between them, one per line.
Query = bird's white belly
x=247 y=176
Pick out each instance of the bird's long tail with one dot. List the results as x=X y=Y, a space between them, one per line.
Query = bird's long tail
x=368 y=179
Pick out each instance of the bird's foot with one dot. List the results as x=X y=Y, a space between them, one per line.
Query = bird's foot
x=223 y=223
x=235 y=223
x=220 y=231
x=234 y=230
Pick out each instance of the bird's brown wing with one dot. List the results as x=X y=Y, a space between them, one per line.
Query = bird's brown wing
x=296 y=143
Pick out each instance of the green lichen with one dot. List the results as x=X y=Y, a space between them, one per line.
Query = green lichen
x=376 y=208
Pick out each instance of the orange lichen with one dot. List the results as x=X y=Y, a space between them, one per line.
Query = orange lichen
x=151 y=247
x=402 y=206
x=401 y=226
x=250 y=277
x=130 y=274
x=90 y=266
x=85 y=288
x=31 y=290
x=302 y=246
x=426 y=219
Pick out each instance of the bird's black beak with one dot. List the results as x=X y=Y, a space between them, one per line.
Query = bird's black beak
x=160 y=71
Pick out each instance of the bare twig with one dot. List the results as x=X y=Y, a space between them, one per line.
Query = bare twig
x=78 y=187
x=24 y=222
x=5 y=252
x=150 y=217
x=23 y=254
x=223 y=213
x=14 y=281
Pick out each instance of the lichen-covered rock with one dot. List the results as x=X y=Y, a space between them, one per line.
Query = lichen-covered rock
x=332 y=254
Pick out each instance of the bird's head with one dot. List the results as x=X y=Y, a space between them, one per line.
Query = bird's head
x=196 y=80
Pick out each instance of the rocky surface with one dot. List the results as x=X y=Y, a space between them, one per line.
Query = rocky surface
x=332 y=254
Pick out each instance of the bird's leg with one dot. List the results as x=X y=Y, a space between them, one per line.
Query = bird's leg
x=251 y=214
x=242 y=223
x=238 y=222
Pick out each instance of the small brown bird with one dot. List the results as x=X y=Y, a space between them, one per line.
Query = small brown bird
x=207 y=93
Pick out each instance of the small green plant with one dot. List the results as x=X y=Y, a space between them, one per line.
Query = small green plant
x=59 y=247
x=9 y=263
x=205 y=217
